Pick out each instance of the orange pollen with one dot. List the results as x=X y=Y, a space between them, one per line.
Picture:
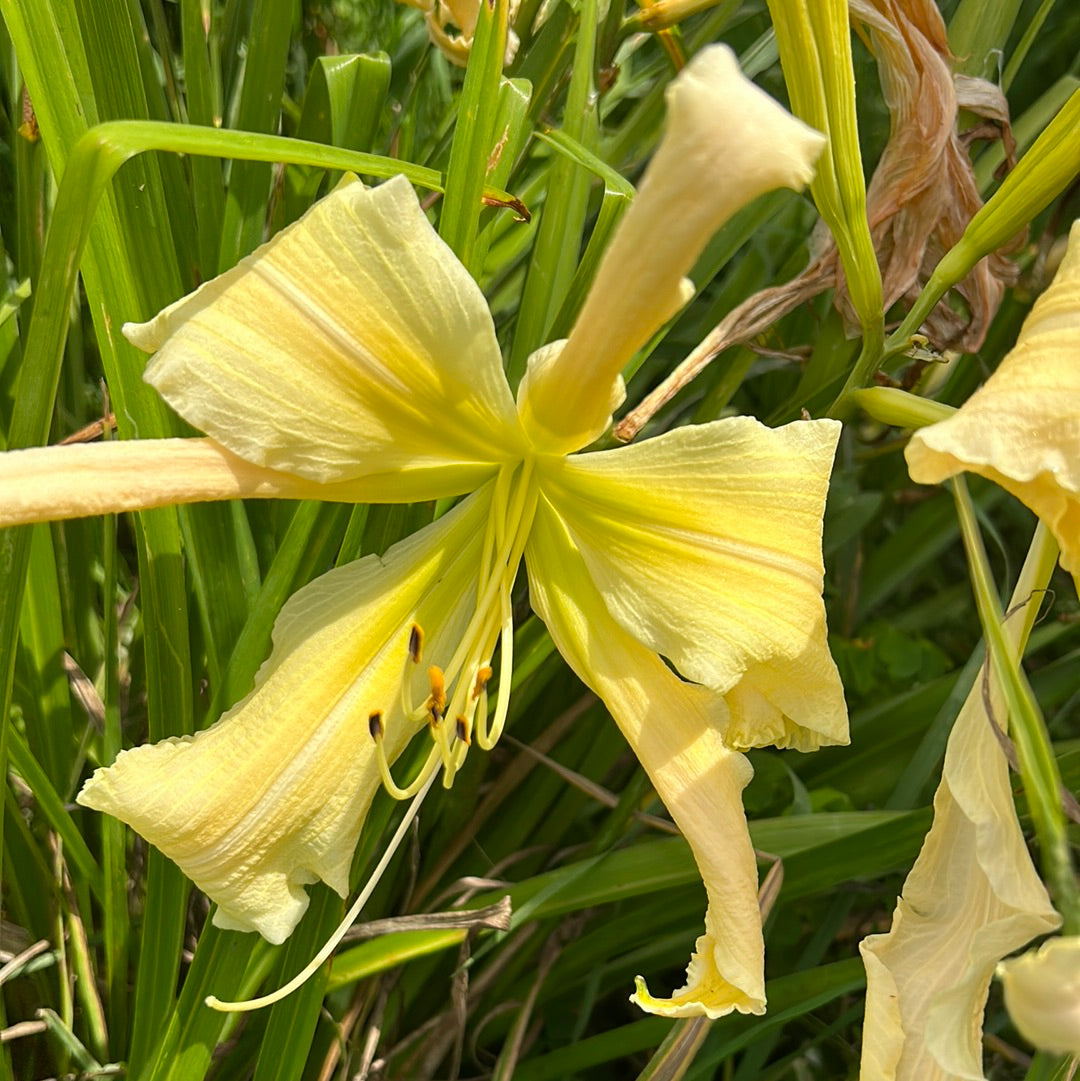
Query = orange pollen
x=437 y=699
x=482 y=676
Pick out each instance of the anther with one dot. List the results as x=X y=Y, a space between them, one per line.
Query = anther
x=437 y=698
x=483 y=676
x=375 y=725
x=462 y=729
x=416 y=642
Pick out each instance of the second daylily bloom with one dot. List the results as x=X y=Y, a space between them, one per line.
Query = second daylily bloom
x=353 y=357
x=1022 y=428
x=1042 y=994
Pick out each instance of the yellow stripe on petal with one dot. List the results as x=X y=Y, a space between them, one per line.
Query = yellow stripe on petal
x=353 y=342
x=1022 y=428
x=706 y=545
x=273 y=796
x=673 y=728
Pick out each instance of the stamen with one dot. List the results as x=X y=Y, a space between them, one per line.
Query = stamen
x=481 y=727
x=375 y=725
x=437 y=701
x=506 y=672
x=483 y=676
x=350 y=918
x=416 y=648
x=462 y=729
x=436 y=709
x=416 y=643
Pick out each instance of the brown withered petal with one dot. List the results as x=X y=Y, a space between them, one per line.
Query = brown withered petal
x=920 y=199
x=923 y=192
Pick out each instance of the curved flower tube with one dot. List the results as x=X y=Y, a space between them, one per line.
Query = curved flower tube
x=1022 y=428
x=354 y=358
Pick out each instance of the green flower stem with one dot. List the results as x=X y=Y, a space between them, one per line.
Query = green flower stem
x=1038 y=766
x=1041 y=175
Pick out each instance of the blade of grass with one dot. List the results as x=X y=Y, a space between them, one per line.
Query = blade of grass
x=474 y=134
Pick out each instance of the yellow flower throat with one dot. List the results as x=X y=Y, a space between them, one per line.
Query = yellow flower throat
x=457 y=709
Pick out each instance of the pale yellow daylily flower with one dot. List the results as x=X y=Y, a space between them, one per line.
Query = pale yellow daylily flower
x=1022 y=428
x=972 y=897
x=353 y=357
x=451 y=26
x=1042 y=994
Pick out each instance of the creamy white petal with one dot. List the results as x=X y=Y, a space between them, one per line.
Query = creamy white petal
x=1042 y=994
x=673 y=728
x=706 y=546
x=354 y=342
x=972 y=897
x=725 y=143
x=273 y=796
x=1022 y=428
x=47 y=484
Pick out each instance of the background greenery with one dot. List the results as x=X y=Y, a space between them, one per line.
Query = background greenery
x=134 y=629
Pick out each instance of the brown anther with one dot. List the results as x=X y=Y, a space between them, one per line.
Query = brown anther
x=416 y=642
x=462 y=728
x=482 y=676
x=375 y=725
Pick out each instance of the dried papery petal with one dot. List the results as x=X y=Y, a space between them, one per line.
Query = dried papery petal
x=920 y=199
x=923 y=192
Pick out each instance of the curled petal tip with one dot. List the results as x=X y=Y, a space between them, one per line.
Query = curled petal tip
x=706 y=993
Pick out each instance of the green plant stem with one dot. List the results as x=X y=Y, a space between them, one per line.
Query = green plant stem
x=1038 y=766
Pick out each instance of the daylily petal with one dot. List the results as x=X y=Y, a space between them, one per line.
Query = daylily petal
x=706 y=545
x=673 y=729
x=47 y=484
x=1042 y=994
x=972 y=897
x=725 y=143
x=1022 y=428
x=452 y=25
x=353 y=342
x=273 y=796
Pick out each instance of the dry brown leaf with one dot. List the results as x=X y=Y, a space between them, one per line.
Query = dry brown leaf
x=919 y=201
